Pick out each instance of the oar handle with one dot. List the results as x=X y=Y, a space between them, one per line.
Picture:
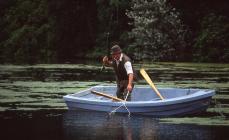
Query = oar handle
x=106 y=95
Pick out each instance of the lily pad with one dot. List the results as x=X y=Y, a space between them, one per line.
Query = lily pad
x=217 y=121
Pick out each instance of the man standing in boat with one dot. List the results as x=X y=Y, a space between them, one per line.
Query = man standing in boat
x=122 y=66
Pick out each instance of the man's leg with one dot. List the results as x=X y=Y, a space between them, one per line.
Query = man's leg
x=119 y=92
x=122 y=90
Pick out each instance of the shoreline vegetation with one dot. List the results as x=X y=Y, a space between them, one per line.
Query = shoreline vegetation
x=33 y=32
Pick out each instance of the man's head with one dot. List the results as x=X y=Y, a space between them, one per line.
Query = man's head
x=116 y=52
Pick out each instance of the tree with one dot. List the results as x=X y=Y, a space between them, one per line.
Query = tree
x=213 y=38
x=29 y=32
x=158 y=32
x=111 y=18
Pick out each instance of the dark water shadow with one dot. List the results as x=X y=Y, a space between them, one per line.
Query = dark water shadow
x=31 y=125
x=82 y=125
x=95 y=125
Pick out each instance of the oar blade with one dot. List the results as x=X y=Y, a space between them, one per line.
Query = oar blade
x=149 y=81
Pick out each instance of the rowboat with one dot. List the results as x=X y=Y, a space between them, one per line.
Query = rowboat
x=144 y=101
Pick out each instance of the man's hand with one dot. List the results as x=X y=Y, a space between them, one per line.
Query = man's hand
x=105 y=60
x=129 y=88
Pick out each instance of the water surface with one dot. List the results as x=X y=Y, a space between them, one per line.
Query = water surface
x=31 y=104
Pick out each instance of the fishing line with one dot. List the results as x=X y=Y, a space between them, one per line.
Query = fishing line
x=123 y=104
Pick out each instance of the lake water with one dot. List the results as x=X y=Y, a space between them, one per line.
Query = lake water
x=72 y=125
x=31 y=104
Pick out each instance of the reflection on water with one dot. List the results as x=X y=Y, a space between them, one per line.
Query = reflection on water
x=96 y=125
x=79 y=125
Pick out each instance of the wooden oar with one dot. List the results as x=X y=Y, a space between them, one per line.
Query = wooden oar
x=106 y=95
x=147 y=78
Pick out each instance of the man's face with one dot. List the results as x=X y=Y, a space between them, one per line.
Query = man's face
x=116 y=56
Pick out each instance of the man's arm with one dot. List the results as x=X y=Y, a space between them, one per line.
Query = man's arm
x=130 y=82
x=130 y=73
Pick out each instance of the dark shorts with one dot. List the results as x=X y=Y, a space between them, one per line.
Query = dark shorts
x=122 y=90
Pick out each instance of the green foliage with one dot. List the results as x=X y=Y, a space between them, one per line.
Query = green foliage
x=111 y=18
x=213 y=39
x=43 y=31
x=30 y=32
x=158 y=32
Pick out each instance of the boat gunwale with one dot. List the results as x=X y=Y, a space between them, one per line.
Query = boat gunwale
x=202 y=94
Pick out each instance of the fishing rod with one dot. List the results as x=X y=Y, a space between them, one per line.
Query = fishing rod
x=108 y=50
x=108 y=35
